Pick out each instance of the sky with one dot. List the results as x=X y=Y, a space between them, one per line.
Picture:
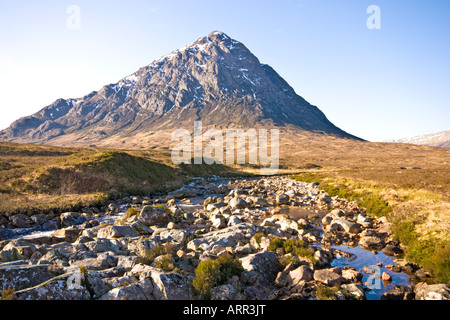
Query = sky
x=385 y=83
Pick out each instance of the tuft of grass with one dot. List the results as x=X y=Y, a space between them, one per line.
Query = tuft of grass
x=152 y=253
x=211 y=273
x=7 y=294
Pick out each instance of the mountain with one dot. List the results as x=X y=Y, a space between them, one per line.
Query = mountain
x=440 y=139
x=215 y=79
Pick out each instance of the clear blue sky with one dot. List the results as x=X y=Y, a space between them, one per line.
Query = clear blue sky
x=377 y=84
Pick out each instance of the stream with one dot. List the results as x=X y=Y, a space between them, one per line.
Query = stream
x=360 y=258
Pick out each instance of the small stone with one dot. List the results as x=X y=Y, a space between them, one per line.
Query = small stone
x=386 y=277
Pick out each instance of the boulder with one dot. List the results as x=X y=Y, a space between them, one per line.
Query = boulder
x=218 y=221
x=265 y=264
x=302 y=273
x=21 y=221
x=329 y=277
x=356 y=289
x=352 y=275
x=139 y=291
x=345 y=225
x=392 y=250
x=140 y=247
x=112 y=232
x=176 y=237
x=399 y=293
x=282 y=199
x=17 y=250
x=24 y=276
x=233 y=220
x=68 y=235
x=259 y=201
x=151 y=215
x=105 y=245
x=424 y=291
x=69 y=286
x=323 y=257
x=226 y=237
x=371 y=242
x=71 y=218
x=102 y=261
x=238 y=203
x=364 y=221
x=166 y=286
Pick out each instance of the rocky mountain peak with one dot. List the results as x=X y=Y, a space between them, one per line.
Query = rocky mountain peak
x=215 y=79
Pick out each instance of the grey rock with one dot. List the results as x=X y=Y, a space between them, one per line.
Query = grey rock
x=329 y=277
x=21 y=221
x=302 y=273
x=24 y=276
x=356 y=289
x=226 y=237
x=282 y=199
x=57 y=288
x=345 y=225
x=112 y=232
x=265 y=264
x=70 y=218
x=399 y=292
x=238 y=203
x=150 y=216
x=424 y=291
x=371 y=242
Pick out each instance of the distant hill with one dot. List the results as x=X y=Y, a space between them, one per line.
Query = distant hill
x=440 y=139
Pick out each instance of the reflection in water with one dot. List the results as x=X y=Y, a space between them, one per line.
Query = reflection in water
x=363 y=258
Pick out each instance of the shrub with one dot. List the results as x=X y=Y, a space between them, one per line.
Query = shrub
x=258 y=237
x=274 y=244
x=165 y=262
x=329 y=293
x=212 y=273
x=296 y=247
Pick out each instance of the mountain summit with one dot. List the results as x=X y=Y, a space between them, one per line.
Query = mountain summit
x=215 y=79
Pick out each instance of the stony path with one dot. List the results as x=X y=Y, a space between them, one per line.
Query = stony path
x=286 y=234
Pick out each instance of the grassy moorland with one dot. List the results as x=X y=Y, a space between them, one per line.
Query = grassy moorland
x=408 y=184
x=38 y=178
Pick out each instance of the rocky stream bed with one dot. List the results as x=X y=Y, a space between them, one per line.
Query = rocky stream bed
x=104 y=253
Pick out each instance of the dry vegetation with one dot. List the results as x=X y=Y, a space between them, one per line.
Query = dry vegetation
x=45 y=178
x=407 y=183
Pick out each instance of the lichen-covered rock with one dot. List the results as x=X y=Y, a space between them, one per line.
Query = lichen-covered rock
x=226 y=237
x=151 y=215
x=23 y=276
x=329 y=277
x=135 y=291
x=69 y=286
x=424 y=291
x=264 y=264
x=113 y=232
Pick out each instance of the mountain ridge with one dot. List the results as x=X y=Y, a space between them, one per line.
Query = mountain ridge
x=438 y=139
x=215 y=79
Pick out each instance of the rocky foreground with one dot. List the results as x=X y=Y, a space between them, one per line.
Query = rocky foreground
x=279 y=232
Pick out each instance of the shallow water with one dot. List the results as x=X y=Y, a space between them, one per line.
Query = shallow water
x=363 y=258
